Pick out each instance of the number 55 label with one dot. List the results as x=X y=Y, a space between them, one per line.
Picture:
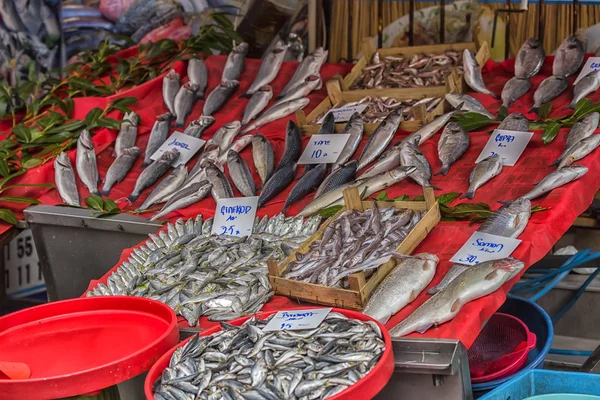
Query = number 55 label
x=324 y=149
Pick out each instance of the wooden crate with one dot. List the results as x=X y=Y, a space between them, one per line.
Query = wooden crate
x=360 y=289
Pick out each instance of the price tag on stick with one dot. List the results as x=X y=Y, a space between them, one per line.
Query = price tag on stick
x=324 y=149
x=297 y=319
x=186 y=145
x=485 y=247
x=235 y=216
x=508 y=144
x=591 y=64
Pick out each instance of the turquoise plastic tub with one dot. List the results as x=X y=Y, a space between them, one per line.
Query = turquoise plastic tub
x=563 y=396
x=538 y=382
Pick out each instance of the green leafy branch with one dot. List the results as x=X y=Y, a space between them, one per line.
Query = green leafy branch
x=105 y=207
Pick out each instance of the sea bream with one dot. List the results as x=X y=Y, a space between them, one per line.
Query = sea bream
x=579 y=150
x=269 y=68
x=310 y=65
x=513 y=90
x=587 y=85
x=85 y=162
x=453 y=143
x=514 y=122
x=568 y=57
x=235 y=62
x=483 y=172
x=530 y=59
x=580 y=130
x=119 y=168
x=473 y=75
x=64 y=177
x=410 y=155
x=549 y=89
x=555 y=180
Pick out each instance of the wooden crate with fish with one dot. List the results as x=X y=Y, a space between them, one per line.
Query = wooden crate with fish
x=360 y=287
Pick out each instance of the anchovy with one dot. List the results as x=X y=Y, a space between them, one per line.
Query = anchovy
x=453 y=143
x=257 y=103
x=277 y=183
x=221 y=188
x=513 y=90
x=240 y=174
x=269 y=68
x=170 y=88
x=263 y=157
x=166 y=187
x=86 y=162
x=515 y=122
x=355 y=128
x=305 y=185
x=65 y=180
x=483 y=172
x=276 y=112
x=192 y=195
x=127 y=133
x=338 y=177
x=311 y=83
x=153 y=173
x=235 y=62
x=309 y=66
x=158 y=135
x=293 y=146
x=568 y=58
x=198 y=127
x=530 y=59
x=219 y=96
x=579 y=150
x=119 y=168
x=184 y=101
x=380 y=139
x=198 y=75
x=472 y=74
x=549 y=89
x=461 y=101
x=410 y=155
x=587 y=85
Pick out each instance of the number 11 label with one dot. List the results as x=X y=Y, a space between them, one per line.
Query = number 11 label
x=324 y=149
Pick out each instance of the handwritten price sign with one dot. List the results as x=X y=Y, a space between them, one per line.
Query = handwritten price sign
x=235 y=217
x=324 y=149
x=483 y=247
x=343 y=114
x=508 y=144
x=186 y=145
x=297 y=319
x=591 y=64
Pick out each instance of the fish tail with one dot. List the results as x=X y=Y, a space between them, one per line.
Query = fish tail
x=281 y=96
x=534 y=109
x=555 y=162
x=433 y=290
x=505 y=202
x=494 y=95
x=469 y=195
x=105 y=192
x=245 y=95
x=179 y=124
x=200 y=97
x=571 y=106
x=443 y=170
x=96 y=192
x=146 y=163
x=132 y=197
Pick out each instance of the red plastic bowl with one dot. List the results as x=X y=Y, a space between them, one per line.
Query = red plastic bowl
x=364 y=389
x=82 y=345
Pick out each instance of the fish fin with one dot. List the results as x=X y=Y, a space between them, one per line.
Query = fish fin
x=571 y=106
x=384 y=319
x=443 y=171
x=494 y=95
x=469 y=195
x=433 y=290
x=146 y=163
x=558 y=160
x=281 y=96
x=455 y=306
x=131 y=198
x=505 y=202
x=201 y=97
x=491 y=275
x=96 y=192
x=179 y=124
x=245 y=96
x=413 y=295
x=105 y=192
x=424 y=328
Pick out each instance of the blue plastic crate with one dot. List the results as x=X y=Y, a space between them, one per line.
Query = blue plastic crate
x=539 y=381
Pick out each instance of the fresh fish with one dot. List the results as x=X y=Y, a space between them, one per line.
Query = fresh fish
x=410 y=155
x=355 y=128
x=235 y=62
x=556 y=179
x=198 y=127
x=461 y=101
x=338 y=177
x=236 y=146
x=263 y=157
x=305 y=185
x=170 y=88
x=166 y=187
x=276 y=112
x=311 y=65
x=549 y=89
x=311 y=83
x=293 y=146
x=219 y=96
x=389 y=160
x=530 y=59
x=257 y=103
x=127 y=133
x=158 y=135
x=580 y=150
x=198 y=75
x=453 y=143
x=473 y=74
x=513 y=90
x=580 y=130
x=119 y=168
x=221 y=188
x=475 y=282
x=402 y=286
x=277 y=183
x=86 y=162
x=483 y=172
x=65 y=180
x=328 y=125
x=515 y=122
x=211 y=153
x=153 y=173
x=269 y=68
x=184 y=101
x=380 y=139
x=427 y=131
x=192 y=194
x=587 y=85
x=568 y=57
x=240 y=174
x=225 y=135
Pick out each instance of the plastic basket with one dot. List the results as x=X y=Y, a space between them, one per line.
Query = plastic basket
x=501 y=349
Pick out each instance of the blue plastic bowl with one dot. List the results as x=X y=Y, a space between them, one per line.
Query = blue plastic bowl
x=538 y=322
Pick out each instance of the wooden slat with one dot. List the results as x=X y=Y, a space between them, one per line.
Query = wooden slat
x=334 y=91
x=352 y=199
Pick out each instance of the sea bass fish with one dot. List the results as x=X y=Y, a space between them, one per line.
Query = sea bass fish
x=568 y=58
x=355 y=128
x=169 y=89
x=452 y=145
x=473 y=75
x=127 y=133
x=257 y=103
x=380 y=139
x=193 y=194
x=549 y=89
x=184 y=101
x=119 y=168
x=461 y=101
x=263 y=157
x=588 y=84
x=556 y=179
x=240 y=174
x=224 y=136
x=235 y=62
x=87 y=168
x=483 y=172
x=65 y=180
x=221 y=188
x=513 y=90
x=198 y=75
x=276 y=112
x=530 y=59
x=311 y=83
x=166 y=187
x=269 y=68
x=427 y=131
x=309 y=66
x=158 y=135
x=580 y=130
x=219 y=96
x=197 y=127
x=153 y=172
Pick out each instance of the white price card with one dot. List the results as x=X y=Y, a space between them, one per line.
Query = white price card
x=297 y=319
x=185 y=144
x=343 y=114
x=508 y=144
x=485 y=247
x=591 y=64
x=324 y=149
x=22 y=273
x=235 y=216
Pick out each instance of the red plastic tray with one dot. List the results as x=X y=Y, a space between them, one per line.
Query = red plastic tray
x=81 y=345
x=364 y=389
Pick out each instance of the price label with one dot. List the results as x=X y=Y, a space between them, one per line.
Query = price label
x=22 y=273
x=186 y=145
x=508 y=144
x=235 y=217
x=343 y=114
x=297 y=319
x=485 y=247
x=591 y=64
x=324 y=149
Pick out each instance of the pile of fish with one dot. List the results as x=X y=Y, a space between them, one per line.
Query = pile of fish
x=247 y=362
x=353 y=242
x=196 y=274
x=408 y=72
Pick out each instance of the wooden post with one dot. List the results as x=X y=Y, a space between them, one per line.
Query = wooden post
x=541 y=21
x=368 y=49
x=334 y=91
x=420 y=112
x=575 y=16
x=429 y=197
x=483 y=54
x=301 y=117
x=312 y=25
x=352 y=199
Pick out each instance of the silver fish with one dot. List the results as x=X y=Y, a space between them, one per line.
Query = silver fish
x=579 y=150
x=305 y=185
x=257 y=103
x=276 y=112
x=127 y=133
x=198 y=127
x=263 y=157
x=221 y=188
x=170 y=88
x=355 y=128
x=515 y=122
x=472 y=74
x=235 y=62
x=293 y=146
x=513 y=90
x=380 y=139
x=311 y=83
x=483 y=172
x=153 y=173
x=587 y=85
x=277 y=183
x=338 y=177
x=211 y=153
x=475 y=282
x=184 y=101
x=65 y=180
x=167 y=186
x=549 y=89
x=158 y=135
x=240 y=174
x=219 y=96
x=192 y=195
x=236 y=146
x=427 y=131
x=410 y=155
x=389 y=160
x=453 y=143
x=311 y=65
x=198 y=75
x=556 y=179
x=530 y=59
x=119 y=168
x=402 y=286
x=467 y=103
x=580 y=130
x=224 y=136
x=568 y=57
x=86 y=162
x=269 y=68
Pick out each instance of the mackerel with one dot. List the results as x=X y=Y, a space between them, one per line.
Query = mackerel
x=305 y=185
x=293 y=146
x=338 y=177
x=280 y=180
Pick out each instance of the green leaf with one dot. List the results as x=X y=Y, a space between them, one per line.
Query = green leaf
x=123 y=67
x=95 y=202
x=42 y=185
x=19 y=200
x=582 y=107
x=328 y=211
x=4 y=170
x=502 y=113
x=22 y=132
x=382 y=196
x=109 y=123
x=31 y=163
x=80 y=84
x=92 y=117
x=545 y=110
x=8 y=216
x=67 y=106
x=110 y=205
x=471 y=121
x=68 y=127
x=7 y=177
x=447 y=198
x=550 y=132
x=401 y=198
x=106 y=213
